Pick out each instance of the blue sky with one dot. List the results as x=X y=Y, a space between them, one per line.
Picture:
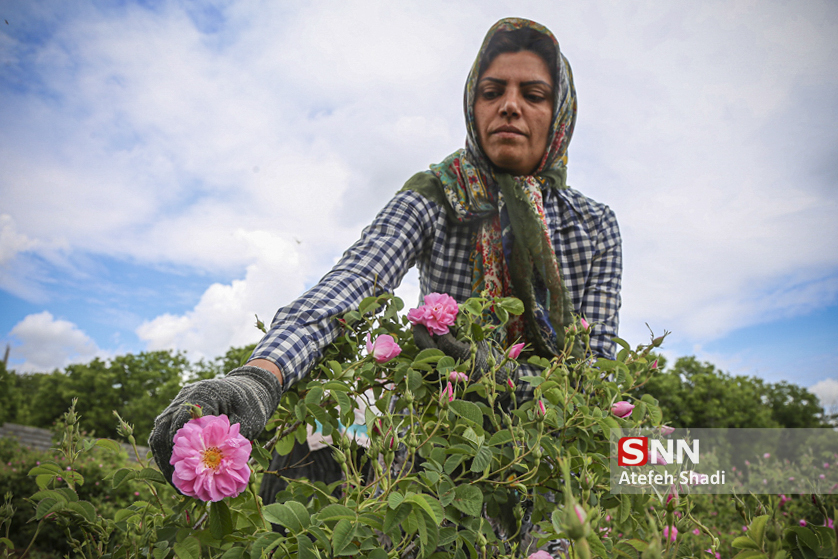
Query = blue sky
x=170 y=168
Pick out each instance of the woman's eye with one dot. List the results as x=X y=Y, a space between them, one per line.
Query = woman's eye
x=490 y=94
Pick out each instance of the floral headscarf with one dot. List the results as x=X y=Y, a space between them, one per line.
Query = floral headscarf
x=513 y=253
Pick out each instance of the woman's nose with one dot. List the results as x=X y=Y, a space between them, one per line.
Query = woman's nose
x=511 y=105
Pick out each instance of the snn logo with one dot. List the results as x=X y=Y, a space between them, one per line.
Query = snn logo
x=635 y=451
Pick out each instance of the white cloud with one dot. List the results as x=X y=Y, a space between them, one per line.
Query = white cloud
x=827 y=393
x=47 y=343
x=225 y=315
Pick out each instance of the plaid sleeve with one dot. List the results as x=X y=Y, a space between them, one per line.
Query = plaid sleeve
x=382 y=256
x=601 y=301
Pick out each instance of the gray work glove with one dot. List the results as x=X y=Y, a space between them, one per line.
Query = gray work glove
x=247 y=395
x=452 y=347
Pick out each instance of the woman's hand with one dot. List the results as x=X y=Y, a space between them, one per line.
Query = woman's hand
x=485 y=357
x=247 y=395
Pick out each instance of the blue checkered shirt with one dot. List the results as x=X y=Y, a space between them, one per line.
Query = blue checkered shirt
x=412 y=230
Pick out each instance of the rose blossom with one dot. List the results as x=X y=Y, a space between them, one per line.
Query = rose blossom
x=384 y=348
x=210 y=458
x=540 y=554
x=515 y=351
x=622 y=409
x=456 y=376
x=447 y=394
x=666 y=533
x=584 y=323
x=437 y=314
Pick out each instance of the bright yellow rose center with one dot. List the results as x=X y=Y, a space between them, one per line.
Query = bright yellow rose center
x=212 y=457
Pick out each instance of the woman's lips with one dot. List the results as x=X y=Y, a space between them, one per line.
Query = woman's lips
x=507 y=131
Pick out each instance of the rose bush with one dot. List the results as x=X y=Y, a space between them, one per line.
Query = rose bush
x=463 y=469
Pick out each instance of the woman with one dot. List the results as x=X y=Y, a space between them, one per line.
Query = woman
x=496 y=216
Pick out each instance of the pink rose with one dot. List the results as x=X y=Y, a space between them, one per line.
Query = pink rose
x=667 y=533
x=541 y=411
x=210 y=459
x=666 y=430
x=584 y=323
x=384 y=348
x=456 y=376
x=447 y=394
x=540 y=554
x=437 y=314
x=654 y=364
x=622 y=409
x=515 y=351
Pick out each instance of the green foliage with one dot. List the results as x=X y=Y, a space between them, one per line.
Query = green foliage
x=695 y=394
x=441 y=478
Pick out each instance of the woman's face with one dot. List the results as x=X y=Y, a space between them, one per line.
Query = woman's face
x=513 y=111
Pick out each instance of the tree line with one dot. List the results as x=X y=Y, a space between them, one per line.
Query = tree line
x=691 y=393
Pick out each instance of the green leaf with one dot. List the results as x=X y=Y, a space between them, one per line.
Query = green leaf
x=468 y=411
x=622 y=343
x=429 y=505
x=468 y=499
x=7 y=542
x=262 y=456
x=655 y=414
x=427 y=357
x=190 y=548
x=280 y=513
x=124 y=514
x=46 y=468
x=265 y=543
x=625 y=508
x=300 y=512
x=43 y=480
x=109 y=444
x=84 y=509
x=336 y=386
x=342 y=535
x=394 y=499
x=744 y=542
x=749 y=554
x=152 y=475
x=335 y=512
x=452 y=462
x=234 y=553
x=305 y=549
x=315 y=394
x=343 y=401
x=804 y=536
x=481 y=460
x=74 y=477
x=48 y=506
x=500 y=438
x=756 y=530
x=220 y=520
x=122 y=475
x=534 y=381
x=512 y=305
x=394 y=518
x=368 y=304
x=596 y=546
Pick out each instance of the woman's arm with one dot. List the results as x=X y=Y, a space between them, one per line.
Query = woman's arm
x=376 y=263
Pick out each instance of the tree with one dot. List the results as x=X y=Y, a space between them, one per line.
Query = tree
x=696 y=394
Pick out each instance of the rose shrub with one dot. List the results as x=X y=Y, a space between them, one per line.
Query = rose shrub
x=454 y=469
